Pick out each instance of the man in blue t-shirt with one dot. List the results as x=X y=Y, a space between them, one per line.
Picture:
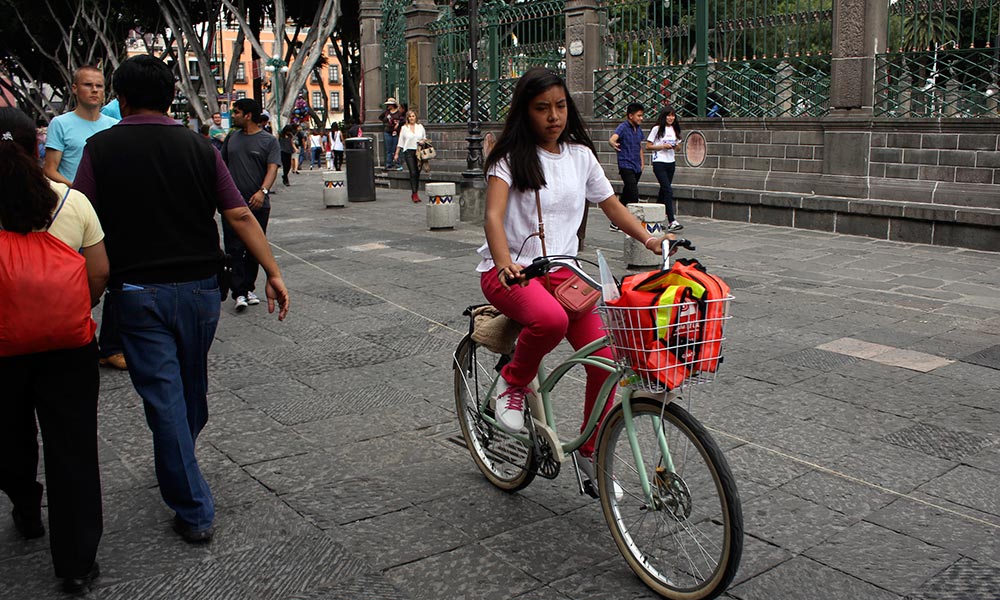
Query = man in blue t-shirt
x=627 y=141
x=68 y=133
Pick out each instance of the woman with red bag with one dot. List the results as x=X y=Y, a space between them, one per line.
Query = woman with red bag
x=53 y=269
x=544 y=148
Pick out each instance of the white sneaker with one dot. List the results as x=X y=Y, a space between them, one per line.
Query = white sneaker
x=252 y=299
x=674 y=226
x=241 y=303
x=587 y=467
x=510 y=402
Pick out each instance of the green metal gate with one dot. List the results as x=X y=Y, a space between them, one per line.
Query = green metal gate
x=394 y=55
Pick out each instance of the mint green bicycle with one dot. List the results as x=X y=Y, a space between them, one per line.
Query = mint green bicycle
x=666 y=491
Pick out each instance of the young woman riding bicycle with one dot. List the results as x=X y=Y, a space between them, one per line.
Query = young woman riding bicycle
x=544 y=147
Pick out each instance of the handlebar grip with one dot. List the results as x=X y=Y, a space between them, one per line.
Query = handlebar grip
x=539 y=266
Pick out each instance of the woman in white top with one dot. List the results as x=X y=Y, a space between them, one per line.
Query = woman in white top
x=316 y=147
x=337 y=146
x=545 y=147
x=409 y=134
x=662 y=140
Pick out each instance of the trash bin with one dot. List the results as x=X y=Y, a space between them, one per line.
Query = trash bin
x=334 y=189
x=360 y=169
x=442 y=206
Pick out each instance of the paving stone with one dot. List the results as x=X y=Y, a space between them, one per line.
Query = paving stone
x=331 y=503
x=801 y=577
x=468 y=572
x=903 y=562
x=967 y=486
x=762 y=466
x=893 y=467
x=297 y=473
x=29 y=576
x=848 y=497
x=987 y=460
x=206 y=581
x=818 y=359
x=791 y=522
x=609 y=580
x=758 y=557
x=362 y=587
x=552 y=548
x=482 y=511
x=415 y=534
x=964 y=579
x=938 y=441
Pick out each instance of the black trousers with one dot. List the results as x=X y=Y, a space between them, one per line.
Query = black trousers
x=245 y=266
x=286 y=165
x=410 y=158
x=338 y=159
x=664 y=172
x=61 y=388
x=630 y=185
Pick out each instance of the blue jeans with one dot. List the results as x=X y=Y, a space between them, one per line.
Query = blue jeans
x=664 y=172
x=167 y=330
x=390 y=148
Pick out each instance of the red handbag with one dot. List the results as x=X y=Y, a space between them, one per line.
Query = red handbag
x=575 y=294
x=44 y=293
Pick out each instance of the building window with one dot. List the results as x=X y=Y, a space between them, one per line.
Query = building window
x=317 y=99
x=241 y=73
x=334 y=73
x=312 y=77
x=334 y=100
x=330 y=51
x=241 y=95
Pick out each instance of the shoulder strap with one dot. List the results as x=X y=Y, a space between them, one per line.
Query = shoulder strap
x=58 y=208
x=541 y=223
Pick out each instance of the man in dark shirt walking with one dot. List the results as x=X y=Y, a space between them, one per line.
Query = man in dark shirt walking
x=253 y=157
x=156 y=187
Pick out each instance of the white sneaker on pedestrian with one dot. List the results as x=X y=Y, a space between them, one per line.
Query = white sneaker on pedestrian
x=241 y=303
x=674 y=226
x=613 y=227
x=587 y=467
x=509 y=407
x=252 y=299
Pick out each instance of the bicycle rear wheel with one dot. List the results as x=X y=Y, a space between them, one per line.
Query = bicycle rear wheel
x=686 y=540
x=502 y=458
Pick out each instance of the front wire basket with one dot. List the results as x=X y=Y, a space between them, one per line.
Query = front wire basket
x=670 y=346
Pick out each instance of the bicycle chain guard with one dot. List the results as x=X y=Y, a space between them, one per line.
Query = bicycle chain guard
x=547 y=449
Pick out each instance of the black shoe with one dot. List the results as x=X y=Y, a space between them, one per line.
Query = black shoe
x=190 y=535
x=79 y=586
x=30 y=527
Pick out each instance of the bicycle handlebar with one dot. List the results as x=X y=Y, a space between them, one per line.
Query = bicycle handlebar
x=543 y=264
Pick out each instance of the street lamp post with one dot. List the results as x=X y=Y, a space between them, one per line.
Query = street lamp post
x=474 y=158
x=278 y=67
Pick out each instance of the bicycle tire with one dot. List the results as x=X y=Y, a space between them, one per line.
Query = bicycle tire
x=502 y=459
x=686 y=545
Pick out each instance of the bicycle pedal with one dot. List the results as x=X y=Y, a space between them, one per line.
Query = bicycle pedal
x=590 y=488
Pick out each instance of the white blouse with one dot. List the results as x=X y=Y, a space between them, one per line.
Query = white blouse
x=408 y=139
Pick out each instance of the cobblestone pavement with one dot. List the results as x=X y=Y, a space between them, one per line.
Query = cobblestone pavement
x=859 y=407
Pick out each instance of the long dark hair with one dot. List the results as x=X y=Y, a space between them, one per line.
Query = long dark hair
x=517 y=141
x=661 y=122
x=26 y=198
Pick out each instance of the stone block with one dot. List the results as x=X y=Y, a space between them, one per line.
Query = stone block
x=758 y=137
x=903 y=140
x=929 y=213
x=797 y=152
x=785 y=165
x=834 y=185
x=988 y=159
x=811 y=138
x=937 y=173
x=731 y=162
x=711 y=135
x=731 y=212
x=878 y=140
x=810 y=166
x=895 y=189
x=705 y=194
x=939 y=141
x=965 y=194
x=846 y=77
x=826 y=204
x=732 y=136
x=651 y=215
x=902 y=171
x=818 y=153
x=720 y=149
x=334 y=189
x=865 y=225
x=970 y=175
x=770 y=215
x=967 y=236
x=846 y=153
x=984 y=217
x=785 y=137
x=761 y=164
x=711 y=162
x=775 y=151
x=977 y=141
x=781 y=200
x=876 y=208
x=740 y=197
x=815 y=220
x=958 y=158
x=914 y=232
x=920 y=157
x=695 y=208
x=744 y=150
x=875 y=170
x=886 y=155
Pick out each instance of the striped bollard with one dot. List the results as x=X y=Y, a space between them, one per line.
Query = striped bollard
x=442 y=205
x=651 y=214
x=334 y=189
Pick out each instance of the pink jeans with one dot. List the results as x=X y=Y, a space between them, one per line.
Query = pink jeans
x=546 y=323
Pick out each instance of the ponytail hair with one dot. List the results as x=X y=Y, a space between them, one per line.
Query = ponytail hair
x=26 y=197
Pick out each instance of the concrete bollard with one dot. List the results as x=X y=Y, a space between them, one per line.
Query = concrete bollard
x=442 y=205
x=652 y=216
x=334 y=189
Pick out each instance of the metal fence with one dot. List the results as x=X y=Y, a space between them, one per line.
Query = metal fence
x=943 y=60
x=514 y=38
x=716 y=58
x=394 y=60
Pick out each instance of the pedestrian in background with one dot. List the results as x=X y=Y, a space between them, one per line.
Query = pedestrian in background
x=59 y=385
x=253 y=157
x=410 y=135
x=67 y=136
x=286 y=143
x=156 y=187
x=302 y=143
x=217 y=132
x=337 y=145
x=391 y=119
x=663 y=139
x=315 y=147
x=627 y=141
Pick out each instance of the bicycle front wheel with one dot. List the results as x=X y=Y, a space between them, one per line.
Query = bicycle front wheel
x=685 y=537
x=502 y=458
